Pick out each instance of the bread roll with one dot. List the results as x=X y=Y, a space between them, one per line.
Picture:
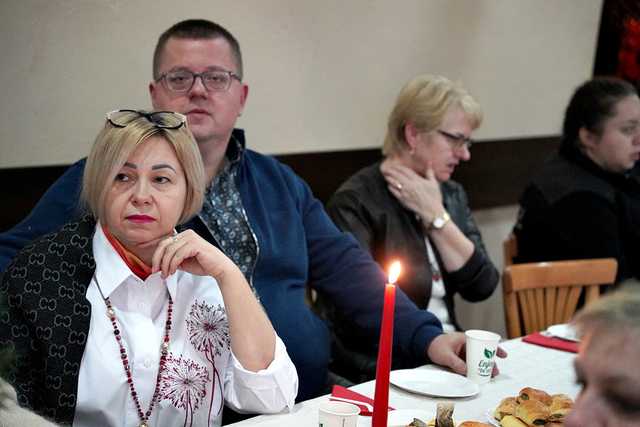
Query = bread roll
x=529 y=393
x=511 y=421
x=561 y=401
x=533 y=412
x=506 y=407
x=561 y=405
x=474 y=424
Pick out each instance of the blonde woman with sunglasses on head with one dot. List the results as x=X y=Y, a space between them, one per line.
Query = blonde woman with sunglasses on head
x=120 y=320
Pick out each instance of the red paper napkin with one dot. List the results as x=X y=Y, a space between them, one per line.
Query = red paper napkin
x=342 y=394
x=551 y=342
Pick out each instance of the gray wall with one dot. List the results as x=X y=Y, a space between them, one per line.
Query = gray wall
x=322 y=74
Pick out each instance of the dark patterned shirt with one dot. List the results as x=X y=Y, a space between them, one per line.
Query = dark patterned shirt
x=227 y=220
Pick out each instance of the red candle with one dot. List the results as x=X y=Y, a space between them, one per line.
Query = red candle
x=383 y=368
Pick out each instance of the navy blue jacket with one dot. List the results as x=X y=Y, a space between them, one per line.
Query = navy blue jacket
x=299 y=246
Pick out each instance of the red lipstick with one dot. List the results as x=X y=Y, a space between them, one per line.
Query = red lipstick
x=140 y=218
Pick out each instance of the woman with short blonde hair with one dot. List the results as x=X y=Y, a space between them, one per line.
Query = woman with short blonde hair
x=407 y=207
x=424 y=101
x=122 y=319
x=114 y=144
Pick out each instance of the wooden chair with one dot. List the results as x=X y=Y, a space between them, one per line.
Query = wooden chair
x=541 y=294
x=510 y=249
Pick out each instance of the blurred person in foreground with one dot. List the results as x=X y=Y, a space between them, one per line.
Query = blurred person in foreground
x=407 y=207
x=584 y=202
x=607 y=362
x=118 y=319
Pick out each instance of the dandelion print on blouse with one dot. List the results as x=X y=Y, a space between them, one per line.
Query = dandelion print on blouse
x=184 y=383
x=208 y=332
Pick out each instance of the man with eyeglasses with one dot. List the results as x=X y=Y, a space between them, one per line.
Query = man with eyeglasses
x=261 y=215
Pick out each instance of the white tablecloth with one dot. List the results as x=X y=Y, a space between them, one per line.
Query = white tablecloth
x=527 y=365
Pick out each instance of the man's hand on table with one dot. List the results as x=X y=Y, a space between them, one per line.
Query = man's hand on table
x=448 y=350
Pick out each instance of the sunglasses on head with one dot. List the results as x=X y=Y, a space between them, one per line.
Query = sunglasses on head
x=160 y=119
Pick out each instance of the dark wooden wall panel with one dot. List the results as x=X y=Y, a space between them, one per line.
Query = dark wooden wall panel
x=499 y=170
x=495 y=176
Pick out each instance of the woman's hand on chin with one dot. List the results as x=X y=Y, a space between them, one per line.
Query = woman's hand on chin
x=191 y=253
x=419 y=194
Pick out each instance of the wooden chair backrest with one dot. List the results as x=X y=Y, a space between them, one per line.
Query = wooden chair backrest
x=510 y=249
x=541 y=294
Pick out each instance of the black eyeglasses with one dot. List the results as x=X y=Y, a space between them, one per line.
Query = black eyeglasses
x=160 y=119
x=213 y=80
x=457 y=141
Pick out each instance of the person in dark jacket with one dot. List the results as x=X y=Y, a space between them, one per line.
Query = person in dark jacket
x=408 y=208
x=585 y=200
x=261 y=215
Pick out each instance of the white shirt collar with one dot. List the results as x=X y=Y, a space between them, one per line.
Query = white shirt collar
x=112 y=271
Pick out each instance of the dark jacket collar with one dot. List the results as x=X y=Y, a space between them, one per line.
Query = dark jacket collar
x=582 y=160
x=236 y=146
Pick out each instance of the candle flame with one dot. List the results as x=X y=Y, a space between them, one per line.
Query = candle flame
x=394 y=271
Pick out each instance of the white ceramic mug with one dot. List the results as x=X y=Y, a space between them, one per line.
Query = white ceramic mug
x=481 y=351
x=338 y=414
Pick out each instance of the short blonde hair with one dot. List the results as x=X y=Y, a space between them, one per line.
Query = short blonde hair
x=114 y=145
x=424 y=101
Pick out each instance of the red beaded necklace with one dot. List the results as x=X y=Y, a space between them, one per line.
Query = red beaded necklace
x=164 y=350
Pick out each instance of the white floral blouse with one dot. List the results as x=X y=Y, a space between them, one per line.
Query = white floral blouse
x=201 y=372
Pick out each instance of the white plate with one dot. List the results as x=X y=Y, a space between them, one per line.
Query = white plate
x=402 y=417
x=564 y=331
x=431 y=382
x=491 y=419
